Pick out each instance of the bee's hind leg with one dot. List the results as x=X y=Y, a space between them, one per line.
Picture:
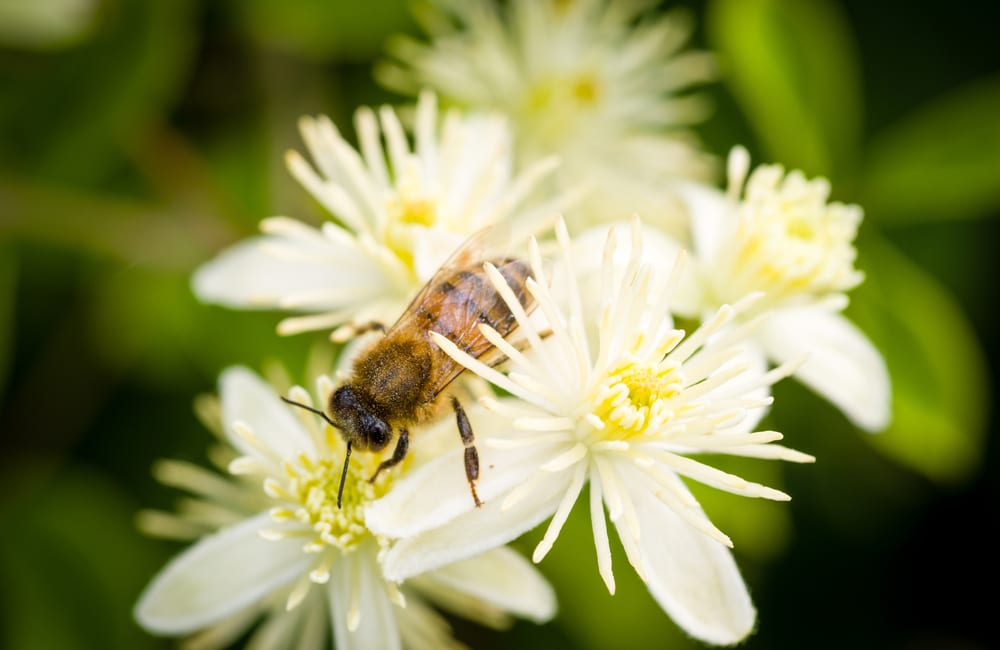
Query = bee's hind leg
x=398 y=454
x=471 y=455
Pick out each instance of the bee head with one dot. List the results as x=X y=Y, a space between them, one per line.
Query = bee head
x=356 y=422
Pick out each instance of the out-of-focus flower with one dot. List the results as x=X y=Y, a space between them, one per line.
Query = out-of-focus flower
x=398 y=218
x=776 y=233
x=601 y=83
x=283 y=549
x=630 y=411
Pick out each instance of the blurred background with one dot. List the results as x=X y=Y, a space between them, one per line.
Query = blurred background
x=137 y=138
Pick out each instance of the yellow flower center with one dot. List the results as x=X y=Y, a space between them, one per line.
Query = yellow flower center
x=312 y=487
x=557 y=106
x=789 y=243
x=636 y=396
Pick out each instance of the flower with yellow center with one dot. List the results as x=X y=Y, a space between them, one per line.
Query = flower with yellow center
x=779 y=235
x=601 y=83
x=399 y=211
x=273 y=544
x=620 y=400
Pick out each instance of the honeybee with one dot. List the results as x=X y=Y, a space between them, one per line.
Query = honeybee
x=401 y=379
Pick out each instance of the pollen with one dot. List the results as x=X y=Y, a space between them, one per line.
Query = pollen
x=637 y=396
x=310 y=493
x=790 y=242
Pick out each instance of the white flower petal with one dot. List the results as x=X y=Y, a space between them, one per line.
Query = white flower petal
x=438 y=491
x=358 y=597
x=218 y=576
x=712 y=216
x=502 y=578
x=693 y=577
x=659 y=250
x=251 y=275
x=843 y=366
x=475 y=531
x=246 y=398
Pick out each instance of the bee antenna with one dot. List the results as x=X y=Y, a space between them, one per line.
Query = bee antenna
x=310 y=409
x=343 y=474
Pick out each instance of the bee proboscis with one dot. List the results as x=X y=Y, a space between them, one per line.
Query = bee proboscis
x=402 y=378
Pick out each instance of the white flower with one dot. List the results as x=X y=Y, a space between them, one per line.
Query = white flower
x=397 y=220
x=628 y=410
x=779 y=235
x=599 y=82
x=284 y=550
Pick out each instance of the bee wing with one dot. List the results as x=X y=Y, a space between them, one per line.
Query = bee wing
x=459 y=298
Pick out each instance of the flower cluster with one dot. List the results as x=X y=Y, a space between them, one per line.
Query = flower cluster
x=649 y=317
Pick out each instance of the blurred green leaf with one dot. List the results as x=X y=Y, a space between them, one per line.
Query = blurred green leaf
x=793 y=68
x=151 y=322
x=941 y=162
x=130 y=231
x=935 y=361
x=323 y=30
x=8 y=286
x=68 y=116
x=73 y=564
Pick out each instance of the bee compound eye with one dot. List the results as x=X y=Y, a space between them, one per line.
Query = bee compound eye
x=376 y=431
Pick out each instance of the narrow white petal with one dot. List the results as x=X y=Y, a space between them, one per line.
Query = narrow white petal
x=437 y=492
x=474 y=532
x=504 y=579
x=360 y=610
x=218 y=576
x=842 y=365
x=561 y=514
x=600 y=526
x=693 y=577
x=246 y=398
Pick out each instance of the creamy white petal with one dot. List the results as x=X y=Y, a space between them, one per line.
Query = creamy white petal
x=475 y=531
x=843 y=366
x=712 y=216
x=254 y=274
x=502 y=578
x=360 y=609
x=437 y=492
x=304 y=627
x=693 y=577
x=247 y=399
x=218 y=576
x=658 y=250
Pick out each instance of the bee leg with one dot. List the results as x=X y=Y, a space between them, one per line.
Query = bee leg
x=371 y=325
x=398 y=454
x=350 y=330
x=471 y=455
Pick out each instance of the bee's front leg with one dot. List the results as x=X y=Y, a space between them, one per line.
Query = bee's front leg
x=471 y=455
x=398 y=454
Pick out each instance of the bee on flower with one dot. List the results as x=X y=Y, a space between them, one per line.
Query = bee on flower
x=619 y=400
x=272 y=545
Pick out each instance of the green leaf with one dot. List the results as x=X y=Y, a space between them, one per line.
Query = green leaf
x=323 y=30
x=935 y=361
x=8 y=287
x=72 y=562
x=70 y=116
x=940 y=163
x=793 y=68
